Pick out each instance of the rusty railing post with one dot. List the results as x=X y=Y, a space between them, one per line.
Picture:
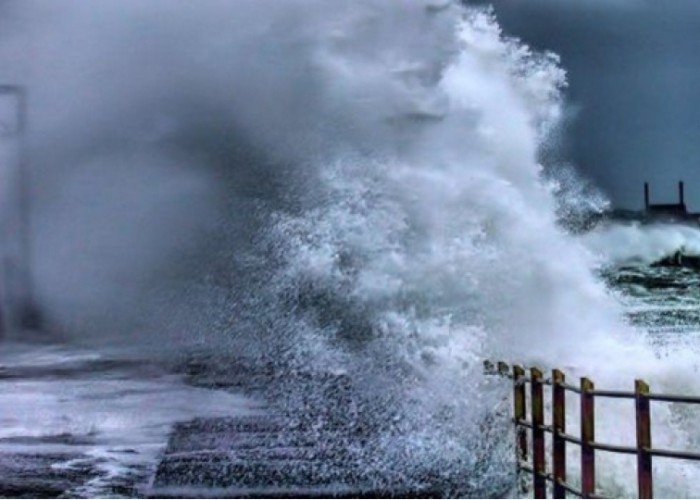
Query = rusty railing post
x=644 y=475
x=519 y=415
x=539 y=471
x=587 y=437
x=558 y=427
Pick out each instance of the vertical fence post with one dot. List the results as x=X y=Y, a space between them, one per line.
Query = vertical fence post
x=559 y=427
x=519 y=414
x=587 y=437
x=539 y=471
x=644 y=475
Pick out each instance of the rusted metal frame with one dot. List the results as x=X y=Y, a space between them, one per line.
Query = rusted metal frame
x=645 y=486
x=587 y=441
x=538 y=444
x=519 y=417
x=587 y=438
x=558 y=428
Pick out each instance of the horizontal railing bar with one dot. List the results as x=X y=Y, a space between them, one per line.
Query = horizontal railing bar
x=614 y=448
x=523 y=423
x=566 y=486
x=669 y=398
x=685 y=455
x=569 y=438
x=570 y=488
x=530 y=425
x=571 y=388
x=613 y=394
x=492 y=369
x=527 y=467
x=674 y=398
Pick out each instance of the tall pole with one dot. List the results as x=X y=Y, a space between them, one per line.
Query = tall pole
x=26 y=314
x=646 y=196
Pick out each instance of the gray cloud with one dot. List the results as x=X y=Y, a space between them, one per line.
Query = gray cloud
x=634 y=79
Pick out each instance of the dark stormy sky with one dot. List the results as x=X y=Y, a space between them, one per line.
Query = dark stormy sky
x=634 y=76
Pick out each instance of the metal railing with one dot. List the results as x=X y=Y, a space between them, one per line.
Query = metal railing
x=586 y=441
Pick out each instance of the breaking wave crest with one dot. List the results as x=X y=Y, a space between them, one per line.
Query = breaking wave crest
x=642 y=244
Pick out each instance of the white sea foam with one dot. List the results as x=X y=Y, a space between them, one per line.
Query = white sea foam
x=620 y=243
x=449 y=250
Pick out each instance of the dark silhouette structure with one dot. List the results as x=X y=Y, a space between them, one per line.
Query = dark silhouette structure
x=668 y=212
x=666 y=209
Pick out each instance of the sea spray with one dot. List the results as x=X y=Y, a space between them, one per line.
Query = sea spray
x=416 y=265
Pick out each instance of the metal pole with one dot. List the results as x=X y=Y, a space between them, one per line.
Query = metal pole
x=519 y=414
x=646 y=196
x=587 y=438
x=559 y=427
x=27 y=316
x=539 y=472
x=644 y=471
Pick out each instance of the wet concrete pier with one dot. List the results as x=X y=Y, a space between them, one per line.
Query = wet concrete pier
x=94 y=427
x=262 y=458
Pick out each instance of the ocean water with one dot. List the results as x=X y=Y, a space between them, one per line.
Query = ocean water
x=660 y=300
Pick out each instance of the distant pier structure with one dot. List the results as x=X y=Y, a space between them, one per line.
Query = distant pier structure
x=668 y=211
